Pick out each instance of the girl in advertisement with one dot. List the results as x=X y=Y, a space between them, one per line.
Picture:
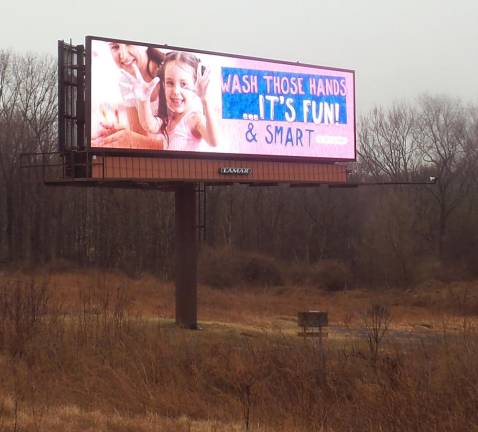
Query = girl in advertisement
x=143 y=63
x=184 y=124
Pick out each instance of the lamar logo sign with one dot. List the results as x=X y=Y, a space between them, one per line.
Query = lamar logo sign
x=235 y=171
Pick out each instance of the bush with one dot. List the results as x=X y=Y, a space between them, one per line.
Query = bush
x=22 y=306
x=332 y=275
x=432 y=269
x=224 y=268
x=261 y=270
x=427 y=269
x=300 y=273
x=218 y=268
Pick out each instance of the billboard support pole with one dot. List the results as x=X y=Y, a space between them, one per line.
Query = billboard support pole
x=186 y=256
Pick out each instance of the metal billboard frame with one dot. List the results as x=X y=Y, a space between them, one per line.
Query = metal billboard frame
x=206 y=155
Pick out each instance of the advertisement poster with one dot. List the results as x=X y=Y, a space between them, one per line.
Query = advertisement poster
x=155 y=98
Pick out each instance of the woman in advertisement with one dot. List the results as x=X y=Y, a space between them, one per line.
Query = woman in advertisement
x=143 y=63
x=179 y=119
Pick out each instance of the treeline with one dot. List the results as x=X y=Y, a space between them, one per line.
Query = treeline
x=383 y=234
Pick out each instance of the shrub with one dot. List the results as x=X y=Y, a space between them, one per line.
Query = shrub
x=22 y=305
x=261 y=270
x=427 y=269
x=224 y=268
x=430 y=269
x=300 y=273
x=332 y=275
x=60 y=265
x=218 y=268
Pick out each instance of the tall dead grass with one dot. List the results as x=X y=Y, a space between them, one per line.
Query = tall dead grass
x=101 y=366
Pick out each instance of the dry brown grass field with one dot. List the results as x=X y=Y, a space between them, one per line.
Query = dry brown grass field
x=97 y=351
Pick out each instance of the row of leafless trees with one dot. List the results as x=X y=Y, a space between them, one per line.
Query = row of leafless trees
x=438 y=136
x=385 y=234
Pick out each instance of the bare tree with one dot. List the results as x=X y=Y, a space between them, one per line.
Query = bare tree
x=28 y=113
x=387 y=143
x=444 y=139
x=38 y=98
x=376 y=321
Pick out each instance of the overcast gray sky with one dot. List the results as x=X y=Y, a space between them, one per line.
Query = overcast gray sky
x=398 y=49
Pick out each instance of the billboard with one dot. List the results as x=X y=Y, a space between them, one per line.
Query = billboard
x=180 y=102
